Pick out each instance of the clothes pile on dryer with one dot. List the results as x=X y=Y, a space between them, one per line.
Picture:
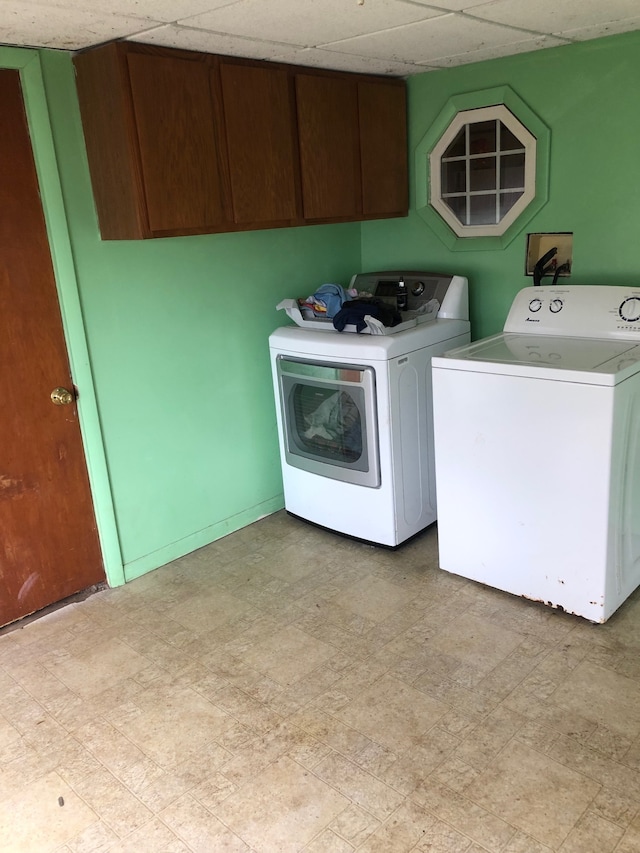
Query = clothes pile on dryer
x=327 y=300
x=348 y=307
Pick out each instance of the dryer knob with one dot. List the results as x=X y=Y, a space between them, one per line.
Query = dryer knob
x=535 y=305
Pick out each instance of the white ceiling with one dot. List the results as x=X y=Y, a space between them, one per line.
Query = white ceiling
x=396 y=37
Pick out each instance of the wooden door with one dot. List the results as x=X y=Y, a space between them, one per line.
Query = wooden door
x=49 y=546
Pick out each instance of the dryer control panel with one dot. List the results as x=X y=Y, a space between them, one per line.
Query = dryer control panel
x=583 y=311
x=413 y=292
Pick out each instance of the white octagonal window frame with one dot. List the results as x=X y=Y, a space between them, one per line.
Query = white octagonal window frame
x=464 y=119
x=502 y=95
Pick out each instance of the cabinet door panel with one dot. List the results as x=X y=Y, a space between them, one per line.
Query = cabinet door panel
x=259 y=125
x=383 y=146
x=179 y=148
x=110 y=136
x=329 y=146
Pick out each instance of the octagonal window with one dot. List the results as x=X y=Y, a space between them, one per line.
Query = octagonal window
x=483 y=171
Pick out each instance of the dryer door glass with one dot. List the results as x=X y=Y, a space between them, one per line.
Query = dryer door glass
x=329 y=418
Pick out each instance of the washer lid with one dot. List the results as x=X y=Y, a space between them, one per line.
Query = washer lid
x=591 y=360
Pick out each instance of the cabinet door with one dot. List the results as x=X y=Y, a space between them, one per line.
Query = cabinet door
x=260 y=130
x=109 y=130
x=178 y=142
x=329 y=146
x=383 y=148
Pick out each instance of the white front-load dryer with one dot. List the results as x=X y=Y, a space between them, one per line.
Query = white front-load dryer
x=355 y=424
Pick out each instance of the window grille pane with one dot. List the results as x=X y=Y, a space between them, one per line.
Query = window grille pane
x=458 y=147
x=483 y=210
x=454 y=176
x=482 y=137
x=508 y=142
x=512 y=171
x=458 y=207
x=507 y=200
x=483 y=174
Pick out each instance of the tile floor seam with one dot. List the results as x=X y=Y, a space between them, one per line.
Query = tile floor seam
x=198 y=850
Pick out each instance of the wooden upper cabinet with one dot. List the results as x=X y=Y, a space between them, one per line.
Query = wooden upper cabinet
x=259 y=114
x=181 y=142
x=153 y=140
x=329 y=146
x=382 y=114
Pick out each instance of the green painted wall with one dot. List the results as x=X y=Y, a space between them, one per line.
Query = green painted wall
x=177 y=332
x=168 y=338
x=587 y=94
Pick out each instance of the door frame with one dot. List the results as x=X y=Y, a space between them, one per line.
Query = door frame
x=27 y=62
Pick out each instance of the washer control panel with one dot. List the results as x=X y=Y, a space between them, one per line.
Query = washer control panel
x=589 y=311
x=630 y=309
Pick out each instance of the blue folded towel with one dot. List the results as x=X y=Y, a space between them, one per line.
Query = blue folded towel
x=332 y=296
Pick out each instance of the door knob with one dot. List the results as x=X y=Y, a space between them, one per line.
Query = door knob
x=61 y=397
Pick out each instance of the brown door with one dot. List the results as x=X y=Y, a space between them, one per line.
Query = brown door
x=48 y=540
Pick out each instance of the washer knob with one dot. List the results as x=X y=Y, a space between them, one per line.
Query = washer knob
x=535 y=305
x=556 y=305
x=630 y=309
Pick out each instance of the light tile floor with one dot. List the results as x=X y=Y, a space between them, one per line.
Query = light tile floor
x=285 y=689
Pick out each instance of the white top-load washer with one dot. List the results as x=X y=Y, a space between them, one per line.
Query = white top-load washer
x=354 y=413
x=537 y=447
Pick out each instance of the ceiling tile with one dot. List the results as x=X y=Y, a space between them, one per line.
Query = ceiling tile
x=452 y=5
x=308 y=22
x=317 y=58
x=552 y=16
x=429 y=40
x=190 y=39
x=42 y=25
x=151 y=10
x=526 y=46
x=599 y=30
